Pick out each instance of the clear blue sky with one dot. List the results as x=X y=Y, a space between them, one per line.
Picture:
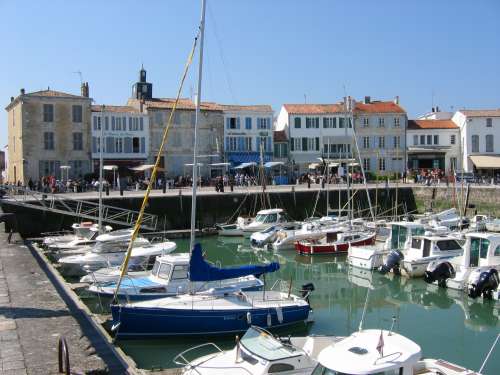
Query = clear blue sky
x=258 y=51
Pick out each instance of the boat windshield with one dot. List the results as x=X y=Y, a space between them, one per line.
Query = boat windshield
x=109 y=247
x=265 y=346
x=260 y=218
x=164 y=272
x=266 y=218
x=156 y=266
x=320 y=370
x=448 y=245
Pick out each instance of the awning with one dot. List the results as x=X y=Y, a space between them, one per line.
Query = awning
x=353 y=164
x=247 y=157
x=313 y=165
x=191 y=164
x=486 y=161
x=65 y=167
x=220 y=164
x=110 y=167
x=144 y=167
x=245 y=165
x=271 y=164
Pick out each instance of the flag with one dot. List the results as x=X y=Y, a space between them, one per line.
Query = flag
x=380 y=345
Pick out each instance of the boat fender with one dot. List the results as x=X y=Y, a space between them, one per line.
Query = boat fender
x=249 y=318
x=392 y=262
x=269 y=319
x=483 y=283
x=439 y=272
x=279 y=314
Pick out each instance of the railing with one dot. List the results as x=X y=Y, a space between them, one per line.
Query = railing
x=76 y=207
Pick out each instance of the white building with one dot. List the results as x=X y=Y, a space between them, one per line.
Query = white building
x=126 y=136
x=433 y=144
x=246 y=128
x=480 y=138
x=315 y=131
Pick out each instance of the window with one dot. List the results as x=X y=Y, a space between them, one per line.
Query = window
x=329 y=122
x=366 y=122
x=497 y=251
x=297 y=124
x=280 y=367
x=366 y=164
x=341 y=122
x=48 y=140
x=422 y=139
x=119 y=145
x=453 y=139
x=447 y=245
x=396 y=122
x=180 y=272
x=489 y=143
x=48 y=113
x=295 y=144
x=312 y=122
x=164 y=272
x=94 y=122
x=475 y=143
x=397 y=141
x=232 y=123
x=381 y=164
x=141 y=124
x=231 y=143
x=136 y=145
x=415 y=140
x=381 y=142
x=119 y=124
x=248 y=123
x=113 y=123
x=429 y=139
x=381 y=122
x=436 y=139
x=106 y=122
x=77 y=113
x=453 y=164
x=366 y=142
x=489 y=122
x=263 y=123
x=77 y=141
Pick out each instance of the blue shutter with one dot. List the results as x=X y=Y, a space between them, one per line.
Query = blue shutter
x=270 y=122
x=269 y=144
x=237 y=122
x=227 y=142
x=241 y=144
x=94 y=145
x=143 y=145
x=227 y=123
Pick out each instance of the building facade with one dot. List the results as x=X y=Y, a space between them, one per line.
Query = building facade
x=316 y=131
x=480 y=140
x=247 y=132
x=381 y=135
x=125 y=136
x=47 y=130
x=433 y=144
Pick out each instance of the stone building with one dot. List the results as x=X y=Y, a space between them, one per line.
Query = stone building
x=48 y=129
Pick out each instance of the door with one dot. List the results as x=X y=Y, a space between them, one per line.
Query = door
x=427 y=248
x=475 y=244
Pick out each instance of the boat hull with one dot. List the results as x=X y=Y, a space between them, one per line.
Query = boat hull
x=146 y=322
x=341 y=248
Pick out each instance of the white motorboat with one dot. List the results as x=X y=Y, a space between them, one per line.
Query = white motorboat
x=478 y=223
x=112 y=253
x=374 y=351
x=314 y=230
x=475 y=272
x=264 y=220
x=493 y=225
x=257 y=352
x=233 y=230
x=85 y=231
x=426 y=249
x=169 y=277
x=265 y=237
x=367 y=257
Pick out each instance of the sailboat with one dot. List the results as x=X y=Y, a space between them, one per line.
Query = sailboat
x=201 y=313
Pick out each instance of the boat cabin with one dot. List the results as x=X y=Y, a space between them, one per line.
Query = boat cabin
x=271 y=216
x=427 y=246
x=370 y=352
x=481 y=249
x=171 y=267
x=403 y=231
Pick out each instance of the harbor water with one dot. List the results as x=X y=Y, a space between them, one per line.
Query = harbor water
x=445 y=323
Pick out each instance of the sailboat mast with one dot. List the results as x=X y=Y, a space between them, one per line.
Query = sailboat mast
x=196 y=125
x=101 y=146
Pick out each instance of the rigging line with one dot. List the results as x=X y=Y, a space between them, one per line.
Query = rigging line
x=227 y=76
x=152 y=180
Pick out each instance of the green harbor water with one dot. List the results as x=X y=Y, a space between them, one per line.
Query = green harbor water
x=446 y=324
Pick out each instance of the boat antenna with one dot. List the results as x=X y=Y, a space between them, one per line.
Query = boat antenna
x=392 y=324
x=489 y=353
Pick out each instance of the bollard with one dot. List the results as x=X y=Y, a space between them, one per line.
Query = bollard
x=121 y=192
x=164 y=188
x=63 y=356
x=107 y=190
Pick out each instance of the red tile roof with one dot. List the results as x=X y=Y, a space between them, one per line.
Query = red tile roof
x=184 y=104
x=378 y=107
x=253 y=108
x=481 y=112
x=280 y=136
x=316 y=109
x=115 y=108
x=431 y=124
x=55 y=94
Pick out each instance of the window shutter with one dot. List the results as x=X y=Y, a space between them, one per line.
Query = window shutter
x=292 y=145
x=269 y=122
x=110 y=145
x=94 y=145
x=128 y=145
x=269 y=144
x=143 y=145
x=57 y=172
x=227 y=139
x=237 y=122
x=227 y=124
x=240 y=143
x=317 y=143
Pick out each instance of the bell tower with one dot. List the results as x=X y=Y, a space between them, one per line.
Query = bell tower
x=142 y=89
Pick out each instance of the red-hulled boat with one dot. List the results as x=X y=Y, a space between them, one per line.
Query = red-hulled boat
x=335 y=243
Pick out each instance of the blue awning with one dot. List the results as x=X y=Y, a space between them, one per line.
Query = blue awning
x=247 y=157
x=201 y=270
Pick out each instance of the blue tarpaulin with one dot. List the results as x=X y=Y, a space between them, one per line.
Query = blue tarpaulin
x=201 y=270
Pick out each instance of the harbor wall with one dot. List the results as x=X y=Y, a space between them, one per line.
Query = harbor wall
x=174 y=211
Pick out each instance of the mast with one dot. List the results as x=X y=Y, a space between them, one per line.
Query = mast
x=101 y=146
x=328 y=177
x=196 y=125
x=347 y=105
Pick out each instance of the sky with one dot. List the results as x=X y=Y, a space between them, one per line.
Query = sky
x=428 y=52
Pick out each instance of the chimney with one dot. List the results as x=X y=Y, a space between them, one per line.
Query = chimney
x=11 y=99
x=22 y=91
x=85 y=89
x=396 y=100
x=437 y=109
x=141 y=105
x=367 y=100
x=433 y=110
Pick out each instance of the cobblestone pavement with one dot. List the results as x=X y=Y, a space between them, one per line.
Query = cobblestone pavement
x=32 y=318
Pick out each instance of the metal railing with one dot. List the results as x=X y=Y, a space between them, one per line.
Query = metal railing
x=76 y=207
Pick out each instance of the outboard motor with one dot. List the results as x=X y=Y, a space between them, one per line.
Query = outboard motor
x=306 y=290
x=484 y=284
x=392 y=262
x=440 y=273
